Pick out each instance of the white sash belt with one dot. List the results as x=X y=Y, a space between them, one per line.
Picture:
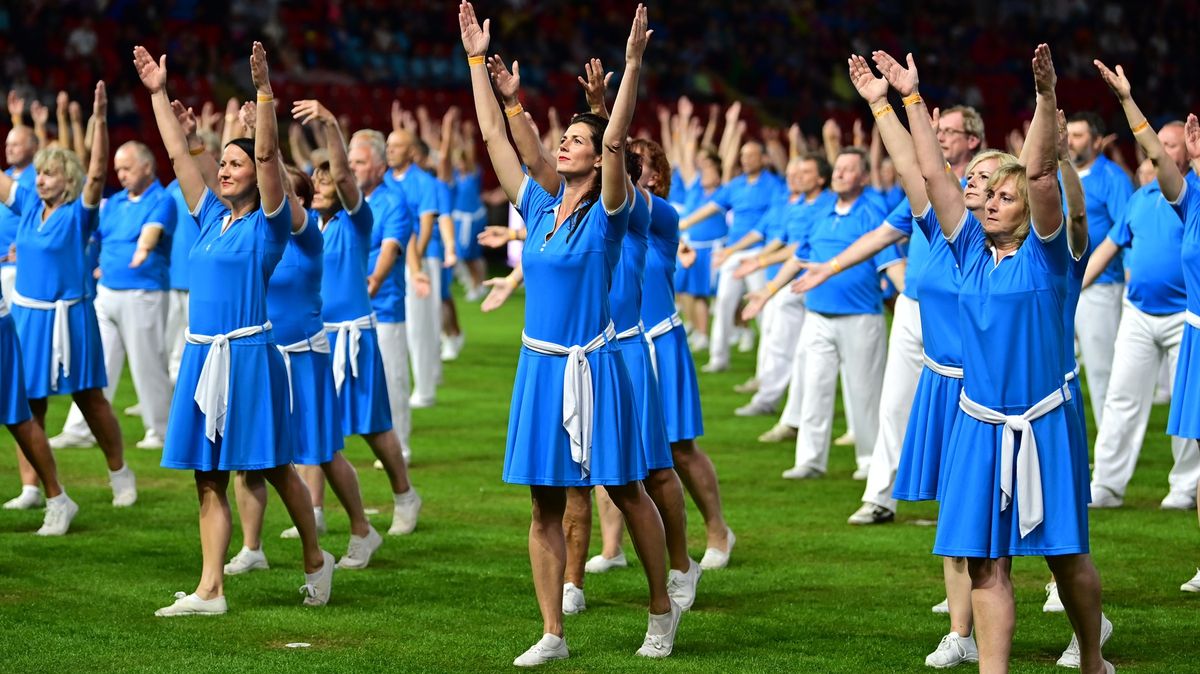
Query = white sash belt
x=661 y=328
x=3 y=308
x=348 y=334
x=640 y=329
x=944 y=370
x=1072 y=375
x=1192 y=319
x=1029 y=470
x=703 y=245
x=318 y=343
x=212 y=389
x=578 y=404
x=60 y=341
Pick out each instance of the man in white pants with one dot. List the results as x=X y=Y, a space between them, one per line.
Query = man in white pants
x=1151 y=329
x=749 y=196
x=1106 y=189
x=423 y=313
x=136 y=226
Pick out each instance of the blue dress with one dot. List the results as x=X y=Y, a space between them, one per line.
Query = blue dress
x=625 y=302
x=227 y=274
x=52 y=267
x=1184 y=421
x=1011 y=314
x=568 y=273
x=700 y=279
x=14 y=406
x=294 y=306
x=469 y=214
x=1078 y=427
x=679 y=392
x=363 y=399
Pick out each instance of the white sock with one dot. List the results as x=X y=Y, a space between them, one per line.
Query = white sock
x=405 y=497
x=61 y=498
x=27 y=489
x=120 y=471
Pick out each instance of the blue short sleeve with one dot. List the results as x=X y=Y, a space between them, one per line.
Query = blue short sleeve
x=163 y=214
x=21 y=200
x=531 y=198
x=279 y=223
x=1121 y=234
x=723 y=197
x=968 y=238
x=901 y=218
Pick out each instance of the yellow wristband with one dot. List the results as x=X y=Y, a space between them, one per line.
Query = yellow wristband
x=835 y=265
x=511 y=282
x=266 y=99
x=514 y=110
x=512 y=235
x=912 y=99
x=196 y=152
x=761 y=260
x=885 y=110
x=475 y=60
x=1141 y=127
x=772 y=288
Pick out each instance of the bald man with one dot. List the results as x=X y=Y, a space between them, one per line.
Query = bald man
x=136 y=226
x=19 y=148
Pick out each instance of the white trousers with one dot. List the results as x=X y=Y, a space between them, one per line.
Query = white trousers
x=1143 y=343
x=423 y=318
x=1096 y=322
x=795 y=391
x=858 y=342
x=177 y=322
x=393 y=348
x=729 y=296
x=132 y=325
x=8 y=279
x=904 y=364
x=781 y=321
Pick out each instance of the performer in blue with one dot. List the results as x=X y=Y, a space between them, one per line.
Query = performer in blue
x=573 y=420
x=231 y=405
x=52 y=308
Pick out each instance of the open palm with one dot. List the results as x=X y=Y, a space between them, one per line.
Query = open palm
x=871 y=88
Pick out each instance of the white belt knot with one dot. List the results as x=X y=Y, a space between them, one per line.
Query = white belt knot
x=60 y=340
x=348 y=335
x=318 y=343
x=1029 y=470
x=578 y=403
x=212 y=388
x=944 y=370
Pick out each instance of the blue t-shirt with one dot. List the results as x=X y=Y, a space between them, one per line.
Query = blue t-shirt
x=9 y=219
x=184 y=238
x=712 y=228
x=658 y=288
x=800 y=219
x=748 y=201
x=122 y=219
x=50 y=252
x=774 y=225
x=347 y=244
x=1153 y=233
x=294 y=292
x=901 y=219
x=421 y=192
x=1187 y=205
x=392 y=222
x=856 y=289
x=1106 y=189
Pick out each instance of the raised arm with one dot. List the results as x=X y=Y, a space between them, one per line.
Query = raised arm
x=1170 y=180
x=266 y=134
x=311 y=111
x=61 y=104
x=729 y=158
x=1045 y=201
x=595 y=87
x=97 y=169
x=16 y=108
x=75 y=111
x=533 y=153
x=731 y=122
x=831 y=136
x=889 y=133
x=1191 y=137
x=614 y=181
x=445 y=166
x=475 y=39
x=1077 y=224
x=40 y=114
x=233 y=127
x=689 y=137
x=196 y=149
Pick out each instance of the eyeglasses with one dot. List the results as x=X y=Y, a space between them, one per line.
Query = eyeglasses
x=942 y=131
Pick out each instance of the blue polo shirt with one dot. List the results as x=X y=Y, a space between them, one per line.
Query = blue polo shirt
x=392 y=222
x=1153 y=234
x=800 y=219
x=122 y=219
x=8 y=219
x=749 y=201
x=423 y=195
x=773 y=227
x=186 y=233
x=856 y=289
x=1106 y=189
x=712 y=228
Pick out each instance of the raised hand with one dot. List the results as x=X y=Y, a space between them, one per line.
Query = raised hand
x=312 y=111
x=830 y=131
x=153 y=74
x=16 y=104
x=259 y=74
x=75 y=111
x=248 y=116
x=795 y=138
x=1044 y=77
x=450 y=119
x=595 y=87
x=1064 y=151
x=475 y=38
x=872 y=89
x=639 y=36
x=1191 y=137
x=187 y=119
x=903 y=80
x=100 y=101
x=1115 y=80
x=685 y=107
x=40 y=114
x=508 y=83
x=501 y=289
x=208 y=117
x=62 y=101
x=732 y=113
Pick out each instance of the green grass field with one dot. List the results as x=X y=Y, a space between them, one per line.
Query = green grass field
x=805 y=592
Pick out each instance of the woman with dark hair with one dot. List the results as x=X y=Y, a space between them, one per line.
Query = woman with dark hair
x=573 y=422
x=231 y=405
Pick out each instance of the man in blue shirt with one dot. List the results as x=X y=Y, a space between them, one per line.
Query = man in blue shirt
x=19 y=147
x=136 y=226
x=1106 y=189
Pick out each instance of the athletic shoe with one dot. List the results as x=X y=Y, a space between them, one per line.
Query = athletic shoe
x=1175 y=501
x=59 y=513
x=779 y=433
x=1103 y=498
x=190 y=604
x=421 y=403
x=1192 y=585
x=358 y=555
x=861 y=473
x=452 y=346
x=943 y=607
x=29 y=498
x=293 y=532
x=404 y=514
x=124 y=487
x=573 y=600
x=802 y=473
x=245 y=561
x=134 y=410
x=602 y=564
x=681 y=586
x=1053 y=602
x=378 y=465
x=549 y=648
x=152 y=440
x=713 y=366
x=755 y=409
x=953 y=651
x=845 y=439
x=870 y=513
x=715 y=558
x=318 y=585
x=660 y=634
x=1070 y=657
x=746 y=341
x=748 y=386
x=72 y=441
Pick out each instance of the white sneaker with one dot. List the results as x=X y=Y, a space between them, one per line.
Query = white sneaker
x=378 y=465
x=802 y=473
x=404 y=514
x=190 y=604
x=29 y=498
x=869 y=513
x=746 y=341
x=1103 y=498
x=698 y=342
x=452 y=346
x=1070 y=657
x=573 y=600
x=682 y=586
x=124 y=487
x=861 y=473
x=1175 y=501
x=549 y=648
x=779 y=433
x=845 y=439
x=293 y=532
x=476 y=293
x=134 y=410
x=421 y=403
x=712 y=366
x=749 y=386
x=942 y=607
x=152 y=440
x=660 y=634
x=602 y=564
x=59 y=513
x=245 y=561
x=317 y=586
x=1192 y=585
x=1053 y=601
x=953 y=650
x=358 y=555
x=72 y=441
x=755 y=409
x=715 y=558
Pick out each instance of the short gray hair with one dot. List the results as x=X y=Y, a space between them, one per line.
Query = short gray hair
x=141 y=151
x=372 y=140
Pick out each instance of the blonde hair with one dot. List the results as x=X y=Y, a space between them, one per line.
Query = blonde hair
x=60 y=159
x=1000 y=155
x=1015 y=171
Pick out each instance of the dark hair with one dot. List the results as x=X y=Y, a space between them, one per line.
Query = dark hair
x=860 y=153
x=247 y=145
x=823 y=167
x=654 y=153
x=597 y=124
x=301 y=184
x=1094 y=122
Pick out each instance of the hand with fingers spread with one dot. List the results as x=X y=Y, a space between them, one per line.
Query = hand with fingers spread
x=495 y=236
x=16 y=106
x=814 y=275
x=475 y=37
x=397 y=116
x=248 y=116
x=595 y=87
x=508 y=83
x=309 y=110
x=873 y=89
x=755 y=301
x=831 y=131
x=1191 y=137
x=40 y=114
x=187 y=119
x=903 y=80
x=747 y=267
x=153 y=74
x=1115 y=80
x=209 y=118
x=685 y=108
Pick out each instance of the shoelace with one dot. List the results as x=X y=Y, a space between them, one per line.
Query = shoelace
x=309 y=590
x=655 y=641
x=948 y=643
x=180 y=595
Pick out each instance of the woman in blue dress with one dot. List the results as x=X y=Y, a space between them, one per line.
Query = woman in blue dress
x=230 y=409
x=52 y=308
x=573 y=421
x=1014 y=433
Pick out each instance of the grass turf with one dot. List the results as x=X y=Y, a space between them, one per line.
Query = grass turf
x=805 y=591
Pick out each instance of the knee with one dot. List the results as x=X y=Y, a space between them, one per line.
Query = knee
x=987 y=573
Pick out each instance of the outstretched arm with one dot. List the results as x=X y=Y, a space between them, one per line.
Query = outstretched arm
x=1170 y=180
x=266 y=134
x=1045 y=201
x=93 y=189
x=614 y=181
x=475 y=39
x=339 y=165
